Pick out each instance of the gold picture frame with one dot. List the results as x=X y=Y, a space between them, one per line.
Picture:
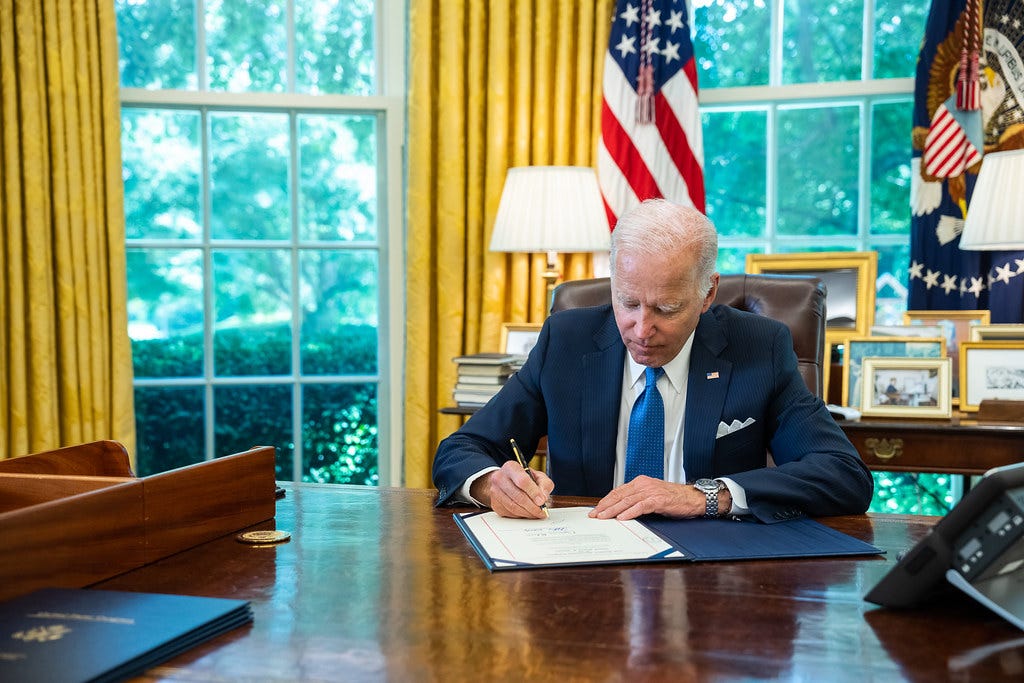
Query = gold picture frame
x=957 y=326
x=990 y=369
x=906 y=387
x=849 y=277
x=997 y=332
x=519 y=338
x=857 y=350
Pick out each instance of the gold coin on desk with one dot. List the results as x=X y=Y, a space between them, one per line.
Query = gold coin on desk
x=263 y=537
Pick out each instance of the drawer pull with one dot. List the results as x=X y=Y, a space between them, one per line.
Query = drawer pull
x=885 y=449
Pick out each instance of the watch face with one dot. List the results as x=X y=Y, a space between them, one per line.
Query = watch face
x=706 y=484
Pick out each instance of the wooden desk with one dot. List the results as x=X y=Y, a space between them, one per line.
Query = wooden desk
x=956 y=446
x=377 y=584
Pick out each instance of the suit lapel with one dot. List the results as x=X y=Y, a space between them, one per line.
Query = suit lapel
x=706 y=389
x=599 y=405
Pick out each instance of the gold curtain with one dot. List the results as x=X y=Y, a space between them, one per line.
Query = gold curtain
x=65 y=356
x=492 y=85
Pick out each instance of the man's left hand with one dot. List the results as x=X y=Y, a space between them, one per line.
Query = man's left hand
x=645 y=495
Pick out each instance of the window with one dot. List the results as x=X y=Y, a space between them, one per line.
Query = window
x=261 y=155
x=806 y=109
x=807 y=128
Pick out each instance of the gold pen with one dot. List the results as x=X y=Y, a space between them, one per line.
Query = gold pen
x=526 y=466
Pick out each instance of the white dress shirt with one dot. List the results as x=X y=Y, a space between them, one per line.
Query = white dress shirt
x=672 y=387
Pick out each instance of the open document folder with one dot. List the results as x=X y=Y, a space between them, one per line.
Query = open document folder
x=569 y=537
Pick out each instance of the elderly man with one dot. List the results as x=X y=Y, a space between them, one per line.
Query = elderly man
x=659 y=403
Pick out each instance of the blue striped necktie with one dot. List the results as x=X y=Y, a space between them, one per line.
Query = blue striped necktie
x=645 y=441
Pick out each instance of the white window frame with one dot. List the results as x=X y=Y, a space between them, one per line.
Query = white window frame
x=389 y=107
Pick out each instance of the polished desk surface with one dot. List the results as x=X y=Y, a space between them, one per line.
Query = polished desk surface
x=377 y=584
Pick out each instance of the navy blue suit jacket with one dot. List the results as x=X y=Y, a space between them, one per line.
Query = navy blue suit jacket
x=742 y=365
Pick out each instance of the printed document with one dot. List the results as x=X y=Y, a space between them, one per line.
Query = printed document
x=568 y=536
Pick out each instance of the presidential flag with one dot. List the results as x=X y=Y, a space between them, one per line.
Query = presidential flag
x=651 y=143
x=968 y=98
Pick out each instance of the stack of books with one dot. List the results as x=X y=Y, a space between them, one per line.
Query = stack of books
x=481 y=376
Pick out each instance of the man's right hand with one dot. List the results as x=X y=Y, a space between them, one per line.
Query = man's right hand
x=511 y=492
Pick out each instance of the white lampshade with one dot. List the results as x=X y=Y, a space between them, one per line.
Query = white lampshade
x=550 y=209
x=995 y=216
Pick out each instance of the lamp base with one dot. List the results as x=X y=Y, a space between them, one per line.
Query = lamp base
x=550 y=275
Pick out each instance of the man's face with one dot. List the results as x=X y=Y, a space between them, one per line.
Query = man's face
x=656 y=305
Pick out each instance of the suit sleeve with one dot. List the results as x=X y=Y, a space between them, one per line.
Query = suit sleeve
x=516 y=411
x=817 y=470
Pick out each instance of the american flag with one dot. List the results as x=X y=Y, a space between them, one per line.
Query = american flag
x=651 y=144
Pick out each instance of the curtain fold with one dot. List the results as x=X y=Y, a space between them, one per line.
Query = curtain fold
x=491 y=85
x=65 y=356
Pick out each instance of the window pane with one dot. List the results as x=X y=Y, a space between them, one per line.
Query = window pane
x=255 y=415
x=339 y=312
x=246 y=45
x=735 y=150
x=891 y=296
x=731 y=42
x=161 y=200
x=334 y=47
x=817 y=175
x=169 y=428
x=157 y=43
x=249 y=176
x=899 y=28
x=338 y=171
x=165 y=312
x=821 y=40
x=252 y=292
x=890 y=167
x=732 y=260
x=339 y=433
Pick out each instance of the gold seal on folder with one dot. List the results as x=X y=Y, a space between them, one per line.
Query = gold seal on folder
x=263 y=537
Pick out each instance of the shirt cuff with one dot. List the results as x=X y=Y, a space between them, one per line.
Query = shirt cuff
x=463 y=493
x=739 y=497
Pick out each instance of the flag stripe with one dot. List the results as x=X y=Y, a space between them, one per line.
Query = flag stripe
x=691 y=175
x=637 y=160
x=627 y=157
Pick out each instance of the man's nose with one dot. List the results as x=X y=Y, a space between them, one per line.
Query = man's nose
x=644 y=324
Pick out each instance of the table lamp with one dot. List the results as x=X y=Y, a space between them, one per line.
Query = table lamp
x=995 y=216
x=551 y=209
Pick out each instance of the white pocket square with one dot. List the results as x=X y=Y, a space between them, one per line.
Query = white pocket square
x=736 y=426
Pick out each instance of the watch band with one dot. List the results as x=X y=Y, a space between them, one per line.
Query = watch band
x=711 y=503
x=710 y=489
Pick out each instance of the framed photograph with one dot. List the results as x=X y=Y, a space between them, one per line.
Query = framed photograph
x=990 y=369
x=997 y=332
x=857 y=349
x=519 y=338
x=906 y=387
x=956 y=326
x=849 y=277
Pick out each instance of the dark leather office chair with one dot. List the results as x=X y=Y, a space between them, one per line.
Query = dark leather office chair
x=796 y=300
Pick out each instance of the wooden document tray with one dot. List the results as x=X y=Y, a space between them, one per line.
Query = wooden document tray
x=74 y=516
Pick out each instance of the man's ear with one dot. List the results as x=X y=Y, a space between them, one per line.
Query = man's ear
x=711 y=293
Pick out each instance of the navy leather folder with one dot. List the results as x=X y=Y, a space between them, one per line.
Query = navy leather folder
x=60 y=635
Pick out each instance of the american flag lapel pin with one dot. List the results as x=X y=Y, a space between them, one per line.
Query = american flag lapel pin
x=713 y=375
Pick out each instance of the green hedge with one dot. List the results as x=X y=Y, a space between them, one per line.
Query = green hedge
x=339 y=425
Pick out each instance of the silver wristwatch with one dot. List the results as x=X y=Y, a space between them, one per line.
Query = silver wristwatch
x=710 y=488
